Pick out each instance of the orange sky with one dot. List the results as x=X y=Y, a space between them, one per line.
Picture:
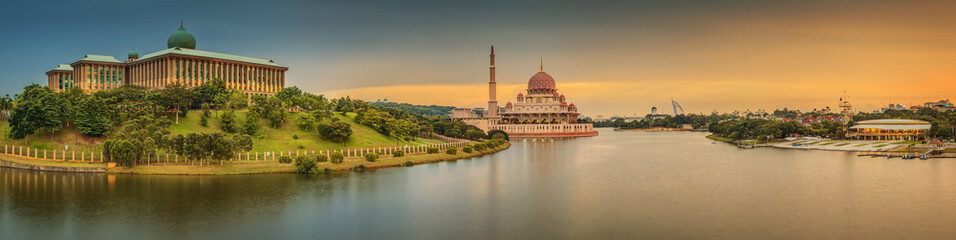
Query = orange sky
x=800 y=57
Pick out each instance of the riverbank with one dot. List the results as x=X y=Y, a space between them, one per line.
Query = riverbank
x=10 y=161
x=261 y=167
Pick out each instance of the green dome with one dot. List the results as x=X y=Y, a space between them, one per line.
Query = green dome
x=181 y=39
x=133 y=53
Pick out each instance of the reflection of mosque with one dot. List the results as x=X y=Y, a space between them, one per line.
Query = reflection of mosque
x=541 y=112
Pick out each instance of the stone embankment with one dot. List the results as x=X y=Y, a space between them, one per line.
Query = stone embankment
x=20 y=165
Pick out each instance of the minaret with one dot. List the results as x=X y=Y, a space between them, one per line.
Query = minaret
x=492 y=102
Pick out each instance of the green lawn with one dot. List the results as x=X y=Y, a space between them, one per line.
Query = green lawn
x=284 y=138
x=268 y=139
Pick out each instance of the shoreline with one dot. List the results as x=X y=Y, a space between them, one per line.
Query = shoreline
x=243 y=167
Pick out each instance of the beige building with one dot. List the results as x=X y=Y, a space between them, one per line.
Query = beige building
x=540 y=113
x=179 y=63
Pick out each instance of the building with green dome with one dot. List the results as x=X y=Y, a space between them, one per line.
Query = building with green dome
x=178 y=63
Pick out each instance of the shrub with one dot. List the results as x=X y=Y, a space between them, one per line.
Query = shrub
x=124 y=153
x=452 y=150
x=398 y=153
x=432 y=150
x=321 y=158
x=304 y=164
x=337 y=157
x=498 y=134
x=285 y=159
x=466 y=149
x=300 y=158
x=371 y=157
x=479 y=146
x=203 y=121
x=295 y=136
x=360 y=167
x=409 y=163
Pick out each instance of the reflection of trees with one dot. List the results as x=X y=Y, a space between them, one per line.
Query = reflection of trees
x=168 y=205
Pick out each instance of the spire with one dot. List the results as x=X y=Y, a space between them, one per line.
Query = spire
x=542 y=64
x=492 y=49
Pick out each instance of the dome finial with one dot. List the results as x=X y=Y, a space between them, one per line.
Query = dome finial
x=542 y=64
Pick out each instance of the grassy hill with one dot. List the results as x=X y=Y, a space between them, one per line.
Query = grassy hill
x=286 y=138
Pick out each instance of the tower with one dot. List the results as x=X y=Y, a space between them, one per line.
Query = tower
x=492 y=89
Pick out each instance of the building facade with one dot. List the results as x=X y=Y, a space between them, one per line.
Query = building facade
x=889 y=129
x=179 y=63
x=540 y=112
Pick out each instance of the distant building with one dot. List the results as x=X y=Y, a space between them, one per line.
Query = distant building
x=540 y=113
x=940 y=105
x=889 y=129
x=179 y=63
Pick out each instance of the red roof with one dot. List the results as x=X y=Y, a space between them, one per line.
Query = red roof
x=509 y=104
x=541 y=80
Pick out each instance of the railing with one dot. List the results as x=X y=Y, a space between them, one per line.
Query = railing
x=167 y=158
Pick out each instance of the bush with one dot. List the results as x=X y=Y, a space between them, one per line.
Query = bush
x=124 y=153
x=295 y=136
x=304 y=164
x=409 y=163
x=498 y=134
x=285 y=159
x=203 y=121
x=371 y=157
x=321 y=158
x=398 y=153
x=337 y=157
x=466 y=149
x=452 y=150
x=359 y=168
x=432 y=150
x=479 y=146
x=301 y=158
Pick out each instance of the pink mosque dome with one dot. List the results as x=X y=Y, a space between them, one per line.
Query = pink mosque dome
x=520 y=95
x=541 y=80
x=509 y=104
x=563 y=103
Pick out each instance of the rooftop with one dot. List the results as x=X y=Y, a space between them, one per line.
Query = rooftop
x=200 y=53
x=99 y=58
x=893 y=124
x=63 y=67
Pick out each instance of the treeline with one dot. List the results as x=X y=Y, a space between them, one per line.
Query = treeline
x=397 y=122
x=428 y=111
x=695 y=120
x=762 y=129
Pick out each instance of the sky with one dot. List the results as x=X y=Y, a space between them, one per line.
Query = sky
x=607 y=57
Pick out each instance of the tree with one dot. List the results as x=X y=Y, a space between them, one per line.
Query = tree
x=124 y=153
x=92 y=116
x=176 y=97
x=251 y=126
x=242 y=142
x=475 y=134
x=220 y=148
x=306 y=121
x=36 y=109
x=401 y=129
x=498 y=134
x=336 y=131
x=229 y=124
x=276 y=117
x=208 y=92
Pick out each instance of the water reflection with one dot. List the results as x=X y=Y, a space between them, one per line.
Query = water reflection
x=618 y=185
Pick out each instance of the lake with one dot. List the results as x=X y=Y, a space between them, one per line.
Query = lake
x=619 y=185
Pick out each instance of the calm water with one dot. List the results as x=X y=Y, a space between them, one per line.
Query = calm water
x=615 y=186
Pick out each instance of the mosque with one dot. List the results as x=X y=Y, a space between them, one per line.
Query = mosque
x=179 y=63
x=541 y=112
